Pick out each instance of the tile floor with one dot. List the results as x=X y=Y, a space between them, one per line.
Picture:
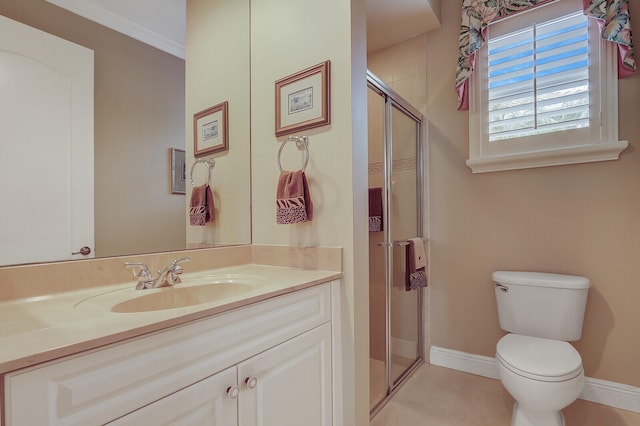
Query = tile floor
x=377 y=382
x=438 y=396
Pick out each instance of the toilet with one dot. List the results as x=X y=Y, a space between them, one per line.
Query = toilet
x=536 y=365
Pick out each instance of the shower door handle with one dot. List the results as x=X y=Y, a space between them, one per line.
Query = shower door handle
x=394 y=244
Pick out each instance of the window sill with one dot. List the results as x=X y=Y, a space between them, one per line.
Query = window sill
x=555 y=157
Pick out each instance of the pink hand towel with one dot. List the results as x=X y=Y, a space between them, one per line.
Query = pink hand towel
x=201 y=209
x=293 y=201
x=416 y=265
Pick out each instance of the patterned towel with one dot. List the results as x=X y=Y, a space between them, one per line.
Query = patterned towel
x=416 y=267
x=375 y=210
x=201 y=209
x=293 y=201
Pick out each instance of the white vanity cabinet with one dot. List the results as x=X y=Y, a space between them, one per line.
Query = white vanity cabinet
x=289 y=384
x=277 y=355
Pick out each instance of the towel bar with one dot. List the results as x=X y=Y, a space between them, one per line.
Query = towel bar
x=394 y=244
x=302 y=143
x=209 y=163
x=399 y=243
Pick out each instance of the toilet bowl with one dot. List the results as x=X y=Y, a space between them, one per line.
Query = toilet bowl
x=542 y=375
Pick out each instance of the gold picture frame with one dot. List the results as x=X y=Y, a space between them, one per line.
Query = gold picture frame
x=303 y=99
x=211 y=130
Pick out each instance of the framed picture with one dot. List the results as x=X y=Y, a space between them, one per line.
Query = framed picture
x=302 y=100
x=211 y=130
x=178 y=171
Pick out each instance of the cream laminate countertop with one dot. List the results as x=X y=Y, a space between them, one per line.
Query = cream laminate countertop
x=43 y=328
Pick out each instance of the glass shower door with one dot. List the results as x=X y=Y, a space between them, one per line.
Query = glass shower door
x=377 y=272
x=395 y=176
x=404 y=223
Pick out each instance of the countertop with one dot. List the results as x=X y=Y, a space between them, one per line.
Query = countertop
x=44 y=328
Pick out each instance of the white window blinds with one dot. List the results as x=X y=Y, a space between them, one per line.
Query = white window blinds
x=538 y=79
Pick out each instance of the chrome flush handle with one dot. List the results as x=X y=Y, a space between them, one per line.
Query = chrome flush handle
x=503 y=288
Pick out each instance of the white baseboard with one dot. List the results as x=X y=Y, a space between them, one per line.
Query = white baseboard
x=404 y=348
x=611 y=393
x=475 y=364
x=600 y=391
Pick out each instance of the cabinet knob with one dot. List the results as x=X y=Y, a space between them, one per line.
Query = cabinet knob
x=233 y=392
x=251 y=382
x=85 y=251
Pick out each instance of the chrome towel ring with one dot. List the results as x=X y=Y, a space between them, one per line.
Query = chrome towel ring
x=208 y=162
x=302 y=143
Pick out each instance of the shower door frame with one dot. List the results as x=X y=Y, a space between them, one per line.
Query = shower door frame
x=393 y=100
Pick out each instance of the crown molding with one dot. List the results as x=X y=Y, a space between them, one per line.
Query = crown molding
x=123 y=25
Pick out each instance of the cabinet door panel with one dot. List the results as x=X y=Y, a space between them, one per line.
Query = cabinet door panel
x=203 y=403
x=293 y=385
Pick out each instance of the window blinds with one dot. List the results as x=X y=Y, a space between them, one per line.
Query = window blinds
x=538 y=79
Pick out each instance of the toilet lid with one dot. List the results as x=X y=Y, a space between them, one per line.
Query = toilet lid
x=539 y=359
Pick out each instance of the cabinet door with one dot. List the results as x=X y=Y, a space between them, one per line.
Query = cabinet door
x=203 y=403
x=292 y=385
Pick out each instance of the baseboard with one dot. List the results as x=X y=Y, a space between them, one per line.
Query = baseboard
x=613 y=394
x=600 y=391
x=404 y=348
x=469 y=363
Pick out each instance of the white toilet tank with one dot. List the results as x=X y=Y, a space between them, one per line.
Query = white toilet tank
x=543 y=305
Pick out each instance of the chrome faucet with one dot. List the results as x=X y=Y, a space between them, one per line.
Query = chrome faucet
x=169 y=276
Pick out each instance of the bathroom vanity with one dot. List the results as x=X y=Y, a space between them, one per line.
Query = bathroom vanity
x=262 y=356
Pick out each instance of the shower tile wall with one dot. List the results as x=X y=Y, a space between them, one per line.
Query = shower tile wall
x=403 y=67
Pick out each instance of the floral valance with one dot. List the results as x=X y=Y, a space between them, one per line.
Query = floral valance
x=612 y=15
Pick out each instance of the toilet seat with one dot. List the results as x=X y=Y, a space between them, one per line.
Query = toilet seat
x=539 y=359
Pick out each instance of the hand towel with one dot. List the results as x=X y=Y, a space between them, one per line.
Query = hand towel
x=375 y=210
x=201 y=209
x=293 y=201
x=416 y=265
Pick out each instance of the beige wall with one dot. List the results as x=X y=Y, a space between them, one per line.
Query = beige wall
x=577 y=219
x=288 y=36
x=139 y=115
x=217 y=70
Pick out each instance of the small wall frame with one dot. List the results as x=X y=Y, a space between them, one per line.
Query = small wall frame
x=178 y=173
x=211 y=130
x=303 y=100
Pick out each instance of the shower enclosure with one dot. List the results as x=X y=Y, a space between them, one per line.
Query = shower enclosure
x=395 y=179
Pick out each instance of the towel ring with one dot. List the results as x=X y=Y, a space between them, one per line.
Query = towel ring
x=302 y=143
x=208 y=162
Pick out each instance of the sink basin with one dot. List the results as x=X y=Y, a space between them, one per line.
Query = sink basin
x=180 y=297
x=195 y=289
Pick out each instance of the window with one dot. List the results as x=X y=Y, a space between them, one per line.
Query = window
x=539 y=79
x=544 y=92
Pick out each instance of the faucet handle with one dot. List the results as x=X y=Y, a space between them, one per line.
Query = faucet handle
x=175 y=274
x=144 y=276
x=176 y=270
x=142 y=266
x=175 y=262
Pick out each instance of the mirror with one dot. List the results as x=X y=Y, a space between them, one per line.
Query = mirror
x=144 y=103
